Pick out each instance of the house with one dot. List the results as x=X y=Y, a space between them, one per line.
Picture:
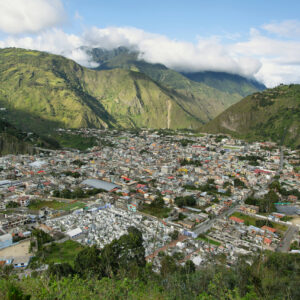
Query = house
x=292 y=198
x=21 y=261
x=186 y=223
x=267 y=241
x=236 y=220
x=74 y=233
x=131 y=207
x=268 y=229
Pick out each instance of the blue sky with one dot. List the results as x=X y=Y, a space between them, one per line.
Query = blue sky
x=184 y=19
x=256 y=39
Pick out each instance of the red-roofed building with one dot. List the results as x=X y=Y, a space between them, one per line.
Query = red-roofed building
x=292 y=198
x=267 y=228
x=236 y=220
x=267 y=241
x=228 y=203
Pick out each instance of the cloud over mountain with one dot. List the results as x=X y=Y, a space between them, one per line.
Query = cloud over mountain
x=30 y=16
x=270 y=54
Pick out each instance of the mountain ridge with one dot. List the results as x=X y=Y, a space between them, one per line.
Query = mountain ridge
x=272 y=115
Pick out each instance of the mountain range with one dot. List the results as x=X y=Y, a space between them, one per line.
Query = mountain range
x=41 y=91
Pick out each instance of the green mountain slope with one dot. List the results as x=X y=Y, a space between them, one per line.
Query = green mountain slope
x=43 y=91
x=226 y=82
x=270 y=115
x=209 y=93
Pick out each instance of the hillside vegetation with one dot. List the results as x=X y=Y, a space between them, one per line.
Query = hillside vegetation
x=119 y=271
x=14 y=141
x=208 y=93
x=272 y=115
x=43 y=91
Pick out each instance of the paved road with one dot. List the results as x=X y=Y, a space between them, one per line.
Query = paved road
x=206 y=226
x=284 y=245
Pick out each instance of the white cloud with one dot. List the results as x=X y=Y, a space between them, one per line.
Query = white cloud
x=207 y=54
x=30 y=16
x=280 y=58
x=55 y=41
x=271 y=60
x=288 y=28
x=81 y=57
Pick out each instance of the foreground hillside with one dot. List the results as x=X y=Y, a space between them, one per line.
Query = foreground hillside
x=272 y=277
x=42 y=91
x=272 y=115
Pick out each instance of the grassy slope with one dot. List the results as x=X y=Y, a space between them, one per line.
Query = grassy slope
x=43 y=91
x=264 y=116
x=134 y=100
x=205 y=97
x=225 y=82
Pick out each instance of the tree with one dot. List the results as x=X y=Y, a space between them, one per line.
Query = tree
x=275 y=185
x=168 y=266
x=178 y=256
x=56 y=193
x=239 y=183
x=12 y=204
x=88 y=263
x=158 y=202
x=41 y=238
x=66 y=194
x=189 y=267
x=185 y=201
x=60 y=270
x=5 y=271
x=124 y=254
x=78 y=193
x=174 y=235
x=210 y=181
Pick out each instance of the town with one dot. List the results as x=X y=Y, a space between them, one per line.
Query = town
x=193 y=196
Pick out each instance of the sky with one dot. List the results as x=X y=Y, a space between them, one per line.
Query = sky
x=257 y=39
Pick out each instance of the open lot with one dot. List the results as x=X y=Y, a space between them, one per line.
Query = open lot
x=38 y=204
x=296 y=220
x=20 y=249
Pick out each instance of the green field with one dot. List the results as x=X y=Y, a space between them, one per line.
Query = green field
x=157 y=212
x=250 y=219
x=208 y=240
x=64 y=252
x=38 y=204
x=76 y=141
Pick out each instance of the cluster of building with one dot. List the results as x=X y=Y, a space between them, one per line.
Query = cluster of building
x=134 y=170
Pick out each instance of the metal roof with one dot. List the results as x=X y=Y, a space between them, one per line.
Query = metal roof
x=74 y=232
x=5 y=237
x=100 y=184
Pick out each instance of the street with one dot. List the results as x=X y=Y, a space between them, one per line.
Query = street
x=286 y=241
